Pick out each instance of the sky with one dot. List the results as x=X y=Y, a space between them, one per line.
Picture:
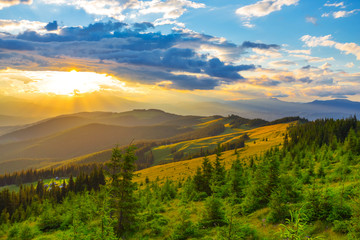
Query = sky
x=181 y=50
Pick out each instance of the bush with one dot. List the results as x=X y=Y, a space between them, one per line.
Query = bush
x=239 y=232
x=186 y=228
x=214 y=214
x=49 y=220
x=26 y=233
x=340 y=213
x=341 y=226
x=13 y=232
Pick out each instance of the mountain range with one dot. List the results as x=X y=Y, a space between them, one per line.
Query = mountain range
x=16 y=111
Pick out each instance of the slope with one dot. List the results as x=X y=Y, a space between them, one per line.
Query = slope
x=262 y=139
x=44 y=128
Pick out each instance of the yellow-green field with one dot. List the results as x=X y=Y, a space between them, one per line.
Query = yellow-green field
x=45 y=181
x=257 y=145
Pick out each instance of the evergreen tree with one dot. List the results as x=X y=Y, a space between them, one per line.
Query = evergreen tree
x=218 y=176
x=213 y=214
x=123 y=201
x=207 y=171
x=71 y=184
x=237 y=178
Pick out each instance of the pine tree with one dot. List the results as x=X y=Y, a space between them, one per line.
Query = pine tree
x=237 y=178
x=121 y=172
x=207 y=171
x=218 y=176
x=71 y=184
x=213 y=214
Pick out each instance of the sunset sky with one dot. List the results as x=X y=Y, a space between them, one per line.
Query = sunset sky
x=171 y=50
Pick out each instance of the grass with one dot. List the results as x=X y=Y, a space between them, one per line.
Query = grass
x=180 y=170
x=163 y=154
x=16 y=188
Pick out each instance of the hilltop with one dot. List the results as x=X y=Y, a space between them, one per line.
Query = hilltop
x=88 y=137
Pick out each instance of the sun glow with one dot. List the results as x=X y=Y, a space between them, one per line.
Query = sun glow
x=71 y=83
x=61 y=83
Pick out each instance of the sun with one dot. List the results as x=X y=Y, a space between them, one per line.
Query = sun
x=70 y=83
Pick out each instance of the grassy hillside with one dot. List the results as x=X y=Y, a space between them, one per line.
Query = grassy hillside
x=257 y=145
x=44 y=128
x=83 y=140
x=88 y=137
x=69 y=136
x=308 y=188
x=54 y=125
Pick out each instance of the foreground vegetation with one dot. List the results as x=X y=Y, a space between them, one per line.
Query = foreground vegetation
x=307 y=188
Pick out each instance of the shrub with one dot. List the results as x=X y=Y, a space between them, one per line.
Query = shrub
x=186 y=228
x=214 y=214
x=341 y=226
x=13 y=232
x=26 y=233
x=49 y=220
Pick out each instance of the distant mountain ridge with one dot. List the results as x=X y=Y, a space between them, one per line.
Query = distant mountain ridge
x=18 y=111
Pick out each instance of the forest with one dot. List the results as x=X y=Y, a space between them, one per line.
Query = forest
x=306 y=188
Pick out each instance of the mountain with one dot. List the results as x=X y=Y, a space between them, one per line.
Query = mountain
x=140 y=117
x=43 y=128
x=68 y=136
x=273 y=108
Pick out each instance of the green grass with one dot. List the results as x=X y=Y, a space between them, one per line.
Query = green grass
x=16 y=188
x=183 y=169
x=163 y=154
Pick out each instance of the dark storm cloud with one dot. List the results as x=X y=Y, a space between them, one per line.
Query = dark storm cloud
x=51 y=26
x=248 y=44
x=152 y=55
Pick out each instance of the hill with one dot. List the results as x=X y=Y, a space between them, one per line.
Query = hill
x=80 y=141
x=299 y=180
x=261 y=140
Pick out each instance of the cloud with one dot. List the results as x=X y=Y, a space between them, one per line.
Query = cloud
x=340 y=14
x=302 y=51
x=51 y=26
x=325 y=65
x=282 y=63
x=328 y=82
x=332 y=91
x=171 y=9
x=16 y=45
x=336 y=4
x=274 y=53
x=217 y=68
x=325 y=41
x=261 y=9
x=142 y=26
x=312 y=20
x=305 y=55
x=349 y=65
x=9 y=3
x=263 y=81
x=248 y=44
x=319 y=59
x=121 y=10
x=15 y=27
x=134 y=53
x=307 y=67
x=292 y=79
